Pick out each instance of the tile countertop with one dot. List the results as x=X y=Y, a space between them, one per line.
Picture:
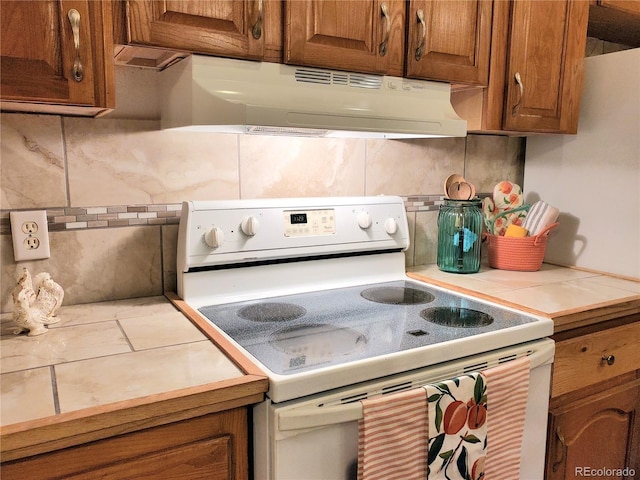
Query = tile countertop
x=112 y=367
x=571 y=297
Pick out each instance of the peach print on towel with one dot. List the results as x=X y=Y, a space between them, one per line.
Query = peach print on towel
x=457 y=428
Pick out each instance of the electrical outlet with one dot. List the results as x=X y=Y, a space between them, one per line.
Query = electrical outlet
x=30 y=235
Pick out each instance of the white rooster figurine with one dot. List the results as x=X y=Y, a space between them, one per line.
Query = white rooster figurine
x=36 y=303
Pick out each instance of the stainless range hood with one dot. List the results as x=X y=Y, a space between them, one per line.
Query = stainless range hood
x=238 y=96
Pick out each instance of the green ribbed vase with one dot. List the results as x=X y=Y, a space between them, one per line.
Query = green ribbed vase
x=460 y=235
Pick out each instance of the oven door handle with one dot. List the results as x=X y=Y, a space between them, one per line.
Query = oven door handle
x=314 y=416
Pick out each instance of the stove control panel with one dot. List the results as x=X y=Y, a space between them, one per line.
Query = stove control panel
x=302 y=223
x=242 y=231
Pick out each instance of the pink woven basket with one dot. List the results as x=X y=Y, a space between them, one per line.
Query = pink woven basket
x=524 y=254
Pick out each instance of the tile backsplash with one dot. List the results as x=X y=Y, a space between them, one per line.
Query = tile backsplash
x=112 y=188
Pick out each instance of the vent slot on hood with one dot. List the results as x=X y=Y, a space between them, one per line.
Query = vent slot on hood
x=326 y=77
x=287 y=131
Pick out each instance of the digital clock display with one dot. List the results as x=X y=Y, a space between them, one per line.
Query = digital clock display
x=298 y=218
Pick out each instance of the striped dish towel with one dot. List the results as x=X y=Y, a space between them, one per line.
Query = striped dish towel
x=540 y=216
x=507 y=390
x=393 y=436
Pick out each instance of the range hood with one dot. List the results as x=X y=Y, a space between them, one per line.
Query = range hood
x=239 y=96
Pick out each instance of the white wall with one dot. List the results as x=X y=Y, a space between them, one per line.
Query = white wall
x=594 y=176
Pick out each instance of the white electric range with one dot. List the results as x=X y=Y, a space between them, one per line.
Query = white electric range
x=314 y=291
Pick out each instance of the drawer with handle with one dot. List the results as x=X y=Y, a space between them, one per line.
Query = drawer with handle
x=589 y=359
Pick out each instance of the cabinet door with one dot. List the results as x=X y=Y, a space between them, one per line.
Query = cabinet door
x=212 y=447
x=46 y=60
x=233 y=28
x=356 y=35
x=545 y=65
x=449 y=40
x=599 y=431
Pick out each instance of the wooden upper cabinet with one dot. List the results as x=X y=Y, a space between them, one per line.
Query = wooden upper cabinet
x=449 y=40
x=535 y=70
x=355 y=35
x=49 y=65
x=233 y=28
x=630 y=6
x=616 y=21
x=545 y=65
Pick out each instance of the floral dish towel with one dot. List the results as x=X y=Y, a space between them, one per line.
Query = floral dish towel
x=457 y=413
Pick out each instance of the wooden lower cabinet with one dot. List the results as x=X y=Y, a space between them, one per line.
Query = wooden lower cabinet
x=596 y=435
x=594 y=412
x=212 y=447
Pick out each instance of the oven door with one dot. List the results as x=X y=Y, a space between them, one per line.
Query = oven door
x=317 y=437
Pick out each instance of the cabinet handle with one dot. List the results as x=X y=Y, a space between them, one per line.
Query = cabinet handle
x=423 y=40
x=74 y=19
x=516 y=107
x=563 y=453
x=256 y=30
x=387 y=22
x=609 y=359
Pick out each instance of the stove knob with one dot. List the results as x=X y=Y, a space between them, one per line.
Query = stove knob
x=249 y=226
x=214 y=237
x=391 y=226
x=364 y=220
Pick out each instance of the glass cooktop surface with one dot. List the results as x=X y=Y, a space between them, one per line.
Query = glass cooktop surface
x=301 y=332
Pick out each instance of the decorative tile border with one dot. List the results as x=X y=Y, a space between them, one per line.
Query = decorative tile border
x=428 y=203
x=79 y=218
x=423 y=203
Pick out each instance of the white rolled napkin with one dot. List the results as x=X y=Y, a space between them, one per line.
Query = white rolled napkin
x=540 y=216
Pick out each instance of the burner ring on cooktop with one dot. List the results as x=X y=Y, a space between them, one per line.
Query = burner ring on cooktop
x=397 y=295
x=271 y=312
x=456 y=317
